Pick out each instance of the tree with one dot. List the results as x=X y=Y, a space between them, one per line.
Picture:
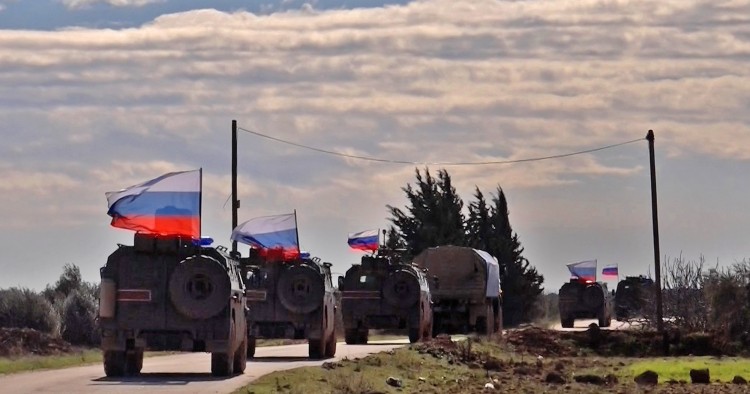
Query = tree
x=490 y=230
x=434 y=215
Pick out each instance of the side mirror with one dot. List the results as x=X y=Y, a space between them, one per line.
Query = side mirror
x=341 y=282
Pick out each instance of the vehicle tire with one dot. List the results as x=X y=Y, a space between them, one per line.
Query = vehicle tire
x=427 y=330
x=604 y=319
x=331 y=345
x=251 y=346
x=300 y=289
x=199 y=287
x=567 y=322
x=401 y=289
x=490 y=321
x=221 y=364
x=350 y=336
x=114 y=363
x=316 y=348
x=414 y=334
x=363 y=337
x=240 y=358
x=133 y=362
x=481 y=326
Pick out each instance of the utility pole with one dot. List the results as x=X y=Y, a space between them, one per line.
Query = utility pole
x=655 y=217
x=235 y=201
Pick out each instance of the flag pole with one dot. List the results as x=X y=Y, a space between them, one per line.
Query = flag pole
x=200 y=206
x=296 y=231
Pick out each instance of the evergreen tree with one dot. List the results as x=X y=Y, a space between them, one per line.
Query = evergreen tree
x=521 y=282
x=434 y=215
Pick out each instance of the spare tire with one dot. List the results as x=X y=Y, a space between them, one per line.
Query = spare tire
x=593 y=297
x=199 y=287
x=300 y=289
x=401 y=289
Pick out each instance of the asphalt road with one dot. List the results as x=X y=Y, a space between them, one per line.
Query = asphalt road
x=180 y=373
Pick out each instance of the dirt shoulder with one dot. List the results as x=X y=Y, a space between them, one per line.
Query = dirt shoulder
x=526 y=360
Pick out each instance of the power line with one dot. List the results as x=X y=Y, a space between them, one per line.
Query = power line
x=438 y=163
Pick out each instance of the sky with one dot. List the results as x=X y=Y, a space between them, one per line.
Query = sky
x=98 y=95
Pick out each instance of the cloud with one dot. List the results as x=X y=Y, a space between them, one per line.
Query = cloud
x=90 y=110
x=78 y=4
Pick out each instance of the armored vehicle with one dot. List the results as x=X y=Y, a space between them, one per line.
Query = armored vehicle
x=383 y=293
x=582 y=299
x=169 y=293
x=633 y=294
x=293 y=299
x=465 y=289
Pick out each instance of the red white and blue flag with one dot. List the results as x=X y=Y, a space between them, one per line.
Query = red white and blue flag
x=583 y=270
x=275 y=236
x=610 y=271
x=368 y=240
x=167 y=205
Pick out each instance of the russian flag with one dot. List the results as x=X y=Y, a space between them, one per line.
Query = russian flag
x=275 y=236
x=584 y=270
x=368 y=240
x=610 y=271
x=169 y=204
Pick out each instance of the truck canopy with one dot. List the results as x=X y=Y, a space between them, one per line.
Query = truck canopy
x=493 y=273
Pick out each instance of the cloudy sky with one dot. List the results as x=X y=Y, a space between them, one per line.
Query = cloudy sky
x=97 y=95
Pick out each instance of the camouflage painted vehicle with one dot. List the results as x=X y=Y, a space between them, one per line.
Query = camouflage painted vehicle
x=382 y=293
x=167 y=293
x=465 y=289
x=580 y=299
x=294 y=300
x=632 y=296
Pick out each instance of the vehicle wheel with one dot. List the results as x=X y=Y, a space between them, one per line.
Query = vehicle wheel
x=251 y=346
x=401 y=289
x=602 y=317
x=199 y=287
x=363 y=337
x=350 y=336
x=481 y=326
x=331 y=345
x=414 y=334
x=221 y=364
x=316 y=348
x=240 y=358
x=133 y=362
x=114 y=363
x=427 y=331
x=567 y=322
x=489 y=322
x=300 y=289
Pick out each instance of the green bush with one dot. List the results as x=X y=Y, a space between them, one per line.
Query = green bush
x=24 y=308
x=79 y=319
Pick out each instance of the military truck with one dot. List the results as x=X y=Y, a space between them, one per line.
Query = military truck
x=632 y=296
x=465 y=289
x=584 y=299
x=167 y=293
x=383 y=293
x=293 y=299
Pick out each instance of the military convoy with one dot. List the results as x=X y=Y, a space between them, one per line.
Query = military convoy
x=465 y=289
x=293 y=299
x=633 y=294
x=384 y=293
x=581 y=299
x=167 y=293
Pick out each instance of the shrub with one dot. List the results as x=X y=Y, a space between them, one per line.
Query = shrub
x=79 y=319
x=24 y=308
